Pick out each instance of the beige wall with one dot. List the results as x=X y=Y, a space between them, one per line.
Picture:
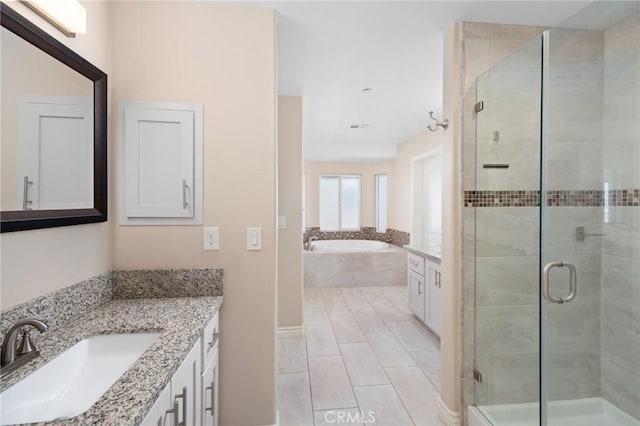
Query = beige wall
x=450 y=334
x=400 y=181
x=222 y=56
x=290 y=206
x=367 y=171
x=63 y=255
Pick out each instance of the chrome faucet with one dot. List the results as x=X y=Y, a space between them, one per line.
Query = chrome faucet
x=14 y=356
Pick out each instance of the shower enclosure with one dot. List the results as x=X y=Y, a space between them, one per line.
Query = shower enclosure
x=556 y=246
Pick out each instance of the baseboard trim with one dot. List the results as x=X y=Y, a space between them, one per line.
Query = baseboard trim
x=449 y=417
x=291 y=331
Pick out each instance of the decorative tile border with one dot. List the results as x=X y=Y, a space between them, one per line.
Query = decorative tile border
x=583 y=198
x=391 y=236
x=501 y=198
x=624 y=197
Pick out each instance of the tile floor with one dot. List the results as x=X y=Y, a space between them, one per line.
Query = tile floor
x=363 y=351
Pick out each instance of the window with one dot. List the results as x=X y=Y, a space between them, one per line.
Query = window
x=381 y=203
x=339 y=203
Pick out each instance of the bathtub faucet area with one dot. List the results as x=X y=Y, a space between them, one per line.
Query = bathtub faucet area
x=307 y=245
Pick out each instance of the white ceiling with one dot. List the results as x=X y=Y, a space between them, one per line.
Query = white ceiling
x=329 y=51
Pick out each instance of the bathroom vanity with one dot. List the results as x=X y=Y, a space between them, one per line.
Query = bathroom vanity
x=424 y=283
x=191 y=396
x=173 y=380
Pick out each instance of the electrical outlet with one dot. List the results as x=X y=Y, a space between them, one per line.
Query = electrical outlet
x=211 y=238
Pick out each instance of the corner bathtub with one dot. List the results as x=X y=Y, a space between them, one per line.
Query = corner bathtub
x=354 y=263
x=348 y=245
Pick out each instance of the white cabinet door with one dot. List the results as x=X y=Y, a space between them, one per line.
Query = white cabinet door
x=433 y=302
x=210 y=391
x=416 y=294
x=159 y=162
x=185 y=386
x=55 y=154
x=159 y=414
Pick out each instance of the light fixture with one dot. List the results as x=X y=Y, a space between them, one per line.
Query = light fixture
x=68 y=16
x=358 y=126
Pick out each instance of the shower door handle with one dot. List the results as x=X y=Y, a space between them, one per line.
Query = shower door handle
x=573 y=282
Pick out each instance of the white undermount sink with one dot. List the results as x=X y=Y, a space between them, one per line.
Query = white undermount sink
x=72 y=382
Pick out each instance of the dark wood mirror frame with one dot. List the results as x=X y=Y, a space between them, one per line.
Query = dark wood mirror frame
x=37 y=219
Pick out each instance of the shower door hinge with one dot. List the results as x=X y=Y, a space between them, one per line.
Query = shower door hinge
x=478 y=107
x=477 y=375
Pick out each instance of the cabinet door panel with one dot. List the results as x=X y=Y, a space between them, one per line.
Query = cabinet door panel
x=433 y=297
x=210 y=390
x=416 y=294
x=210 y=338
x=159 y=159
x=158 y=415
x=185 y=386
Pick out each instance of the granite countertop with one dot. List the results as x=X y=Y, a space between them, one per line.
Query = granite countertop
x=432 y=253
x=180 y=320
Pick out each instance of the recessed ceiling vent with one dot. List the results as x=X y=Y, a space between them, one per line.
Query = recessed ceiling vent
x=359 y=126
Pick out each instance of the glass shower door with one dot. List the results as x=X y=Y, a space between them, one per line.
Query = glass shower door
x=504 y=202
x=590 y=219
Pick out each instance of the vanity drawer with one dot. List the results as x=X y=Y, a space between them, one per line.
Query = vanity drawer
x=210 y=338
x=415 y=263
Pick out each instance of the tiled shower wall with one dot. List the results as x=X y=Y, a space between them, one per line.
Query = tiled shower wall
x=593 y=136
x=573 y=95
x=620 y=363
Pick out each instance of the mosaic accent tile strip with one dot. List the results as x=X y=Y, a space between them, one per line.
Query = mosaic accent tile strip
x=391 y=236
x=566 y=198
x=624 y=197
x=136 y=284
x=62 y=305
x=501 y=198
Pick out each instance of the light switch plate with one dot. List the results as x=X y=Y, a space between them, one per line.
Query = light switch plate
x=211 y=236
x=254 y=238
x=282 y=222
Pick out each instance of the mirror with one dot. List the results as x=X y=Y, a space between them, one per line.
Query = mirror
x=53 y=131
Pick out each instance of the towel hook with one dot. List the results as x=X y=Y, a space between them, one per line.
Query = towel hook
x=444 y=124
